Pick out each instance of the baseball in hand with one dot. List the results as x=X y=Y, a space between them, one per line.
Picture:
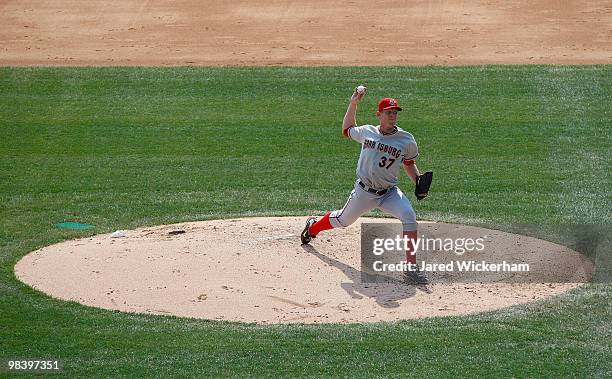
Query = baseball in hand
x=361 y=89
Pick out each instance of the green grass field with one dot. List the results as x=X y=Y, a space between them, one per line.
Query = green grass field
x=126 y=147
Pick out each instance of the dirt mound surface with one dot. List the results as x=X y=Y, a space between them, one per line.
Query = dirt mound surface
x=255 y=270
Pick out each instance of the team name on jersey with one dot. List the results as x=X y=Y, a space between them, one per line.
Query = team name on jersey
x=392 y=151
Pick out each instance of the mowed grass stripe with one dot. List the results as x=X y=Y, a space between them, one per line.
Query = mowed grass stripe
x=125 y=147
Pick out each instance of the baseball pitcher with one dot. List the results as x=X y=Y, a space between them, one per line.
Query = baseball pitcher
x=384 y=150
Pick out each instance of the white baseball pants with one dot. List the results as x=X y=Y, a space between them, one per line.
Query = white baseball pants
x=360 y=201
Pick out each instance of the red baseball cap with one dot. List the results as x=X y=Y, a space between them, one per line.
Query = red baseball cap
x=388 y=103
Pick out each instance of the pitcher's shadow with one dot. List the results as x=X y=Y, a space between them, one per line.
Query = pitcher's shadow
x=386 y=294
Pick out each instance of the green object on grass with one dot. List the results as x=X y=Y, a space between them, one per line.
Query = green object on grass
x=73 y=225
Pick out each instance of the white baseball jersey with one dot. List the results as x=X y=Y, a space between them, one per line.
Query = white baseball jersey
x=382 y=155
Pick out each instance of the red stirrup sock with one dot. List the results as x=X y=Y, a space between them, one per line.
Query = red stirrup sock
x=412 y=237
x=321 y=225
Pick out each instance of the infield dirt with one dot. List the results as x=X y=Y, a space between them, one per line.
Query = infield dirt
x=312 y=32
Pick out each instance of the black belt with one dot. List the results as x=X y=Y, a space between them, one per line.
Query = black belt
x=372 y=190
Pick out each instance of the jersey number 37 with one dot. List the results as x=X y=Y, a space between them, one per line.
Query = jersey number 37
x=383 y=162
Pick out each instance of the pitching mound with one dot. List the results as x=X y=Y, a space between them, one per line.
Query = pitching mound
x=255 y=270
